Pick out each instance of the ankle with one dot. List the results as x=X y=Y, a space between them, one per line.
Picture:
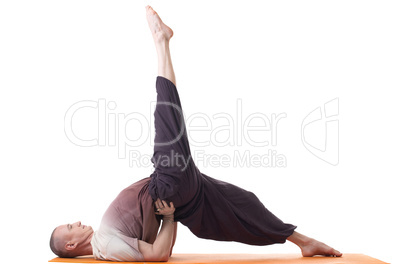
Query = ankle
x=299 y=239
x=160 y=39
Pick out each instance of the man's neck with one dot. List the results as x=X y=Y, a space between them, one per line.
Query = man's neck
x=87 y=249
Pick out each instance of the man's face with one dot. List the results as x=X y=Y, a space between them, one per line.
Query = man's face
x=75 y=232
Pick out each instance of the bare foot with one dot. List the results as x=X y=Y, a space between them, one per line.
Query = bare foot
x=314 y=247
x=160 y=31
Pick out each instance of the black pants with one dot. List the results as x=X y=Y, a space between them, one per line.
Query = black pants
x=210 y=208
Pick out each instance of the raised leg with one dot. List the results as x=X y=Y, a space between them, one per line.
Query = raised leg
x=174 y=167
x=161 y=35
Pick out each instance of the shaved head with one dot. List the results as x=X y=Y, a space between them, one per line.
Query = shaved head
x=57 y=244
x=71 y=240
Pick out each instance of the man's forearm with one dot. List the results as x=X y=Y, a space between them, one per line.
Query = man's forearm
x=163 y=242
x=174 y=238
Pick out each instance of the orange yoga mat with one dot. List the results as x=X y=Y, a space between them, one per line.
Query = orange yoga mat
x=245 y=259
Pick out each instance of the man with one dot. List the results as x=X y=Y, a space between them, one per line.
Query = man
x=176 y=191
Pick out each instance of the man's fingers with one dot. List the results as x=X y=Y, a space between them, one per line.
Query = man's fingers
x=163 y=207
x=160 y=205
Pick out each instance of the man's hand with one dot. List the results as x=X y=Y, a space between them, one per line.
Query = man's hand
x=162 y=208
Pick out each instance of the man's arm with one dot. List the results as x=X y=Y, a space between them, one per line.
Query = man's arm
x=161 y=248
x=174 y=238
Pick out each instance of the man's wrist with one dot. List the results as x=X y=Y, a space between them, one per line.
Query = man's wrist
x=168 y=218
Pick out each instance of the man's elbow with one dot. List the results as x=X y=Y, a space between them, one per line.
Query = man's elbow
x=164 y=257
x=158 y=259
x=158 y=256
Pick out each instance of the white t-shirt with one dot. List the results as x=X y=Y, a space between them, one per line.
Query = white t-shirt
x=109 y=244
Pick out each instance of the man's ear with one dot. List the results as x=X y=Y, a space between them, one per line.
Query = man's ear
x=70 y=245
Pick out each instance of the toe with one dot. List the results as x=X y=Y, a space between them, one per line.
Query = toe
x=151 y=10
x=336 y=253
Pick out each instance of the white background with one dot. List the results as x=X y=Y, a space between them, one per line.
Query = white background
x=278 y=57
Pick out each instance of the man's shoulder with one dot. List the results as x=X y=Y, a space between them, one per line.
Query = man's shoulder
x=120 y=247
x=100 y=240
x=109 y=244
